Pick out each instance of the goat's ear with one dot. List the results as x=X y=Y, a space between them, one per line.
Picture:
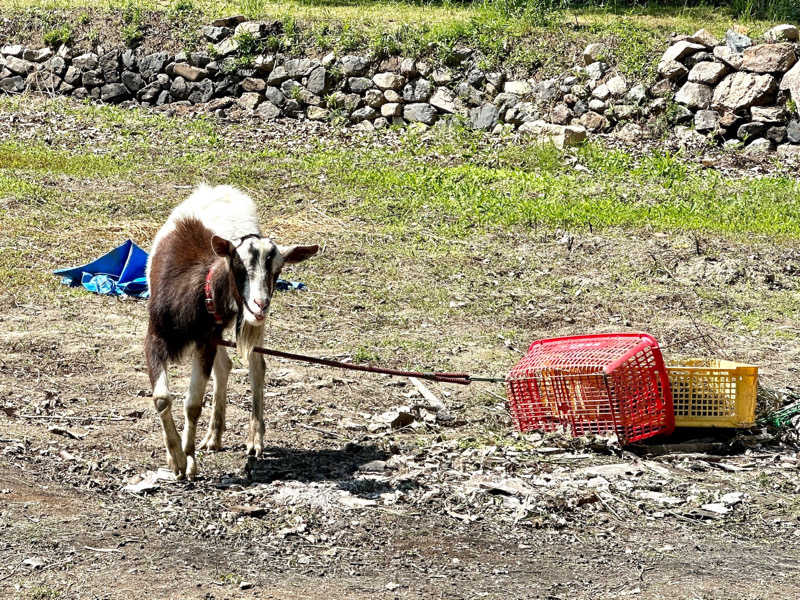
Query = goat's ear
x=221 y=246
x=296 y=254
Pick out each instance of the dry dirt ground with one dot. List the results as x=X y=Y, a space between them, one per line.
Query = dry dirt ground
x=454 y=505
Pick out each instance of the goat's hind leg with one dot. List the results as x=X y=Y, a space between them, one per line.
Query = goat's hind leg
x=222 y=368
x=162 y=401
x=201 y=369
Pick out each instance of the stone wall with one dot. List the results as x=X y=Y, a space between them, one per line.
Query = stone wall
x=732 y=91
x=737 y=92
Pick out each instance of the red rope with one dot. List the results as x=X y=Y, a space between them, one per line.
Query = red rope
x=459 y=378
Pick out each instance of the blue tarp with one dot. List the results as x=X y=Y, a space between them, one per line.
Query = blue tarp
x=122 y=271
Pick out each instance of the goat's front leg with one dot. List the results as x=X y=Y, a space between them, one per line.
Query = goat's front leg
x=163 y=405
x=222 y=368
x=201 y=369
x=255 y=438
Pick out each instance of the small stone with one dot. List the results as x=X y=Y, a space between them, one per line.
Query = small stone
x=694 y=95
x=617 y=86
x=624 y=111
x=419 y=112
x=751 y=130
x=200 y=92
x=601 y=92
x=637 y=94
x=595 y=52
x=793 y=131
x=757 y=147
x=777 y=134
x=92 y=79
x=561 y=114
x=769 y=58
x=245 y=585
x=12 y=50
x=264 y=63
x=484 y=117
x=13 y=85
x=392 y=96
x=407 y=67
x=596 y=70
x=688 y=136
x=791 y=81
x=706 y=120
x=299 y=67
x=698 y=57
x=226 y=47
x=419 y=91
x=72 y=75
x=594 y=122
x=661 y=88
x=231 y=21
x=782 y=33
x=149 y=65
x=215 y=34
x=789 y=153
x=253 y=84
x=708 y=73
x=249 y=100
x=374 y=98
x=597 y=105
x=737 y=41
x=381 y=123
x=367 y=113
x=630 y=132
x=518 y=88
x=56 y=65
x=317 y=113
x=679 y=114
x=19 y=65
x=559 y=135
x=268 y=111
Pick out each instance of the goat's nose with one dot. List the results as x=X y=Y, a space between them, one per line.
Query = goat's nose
x=262 y=304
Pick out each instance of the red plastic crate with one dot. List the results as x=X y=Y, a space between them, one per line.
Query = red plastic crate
x=609 y=383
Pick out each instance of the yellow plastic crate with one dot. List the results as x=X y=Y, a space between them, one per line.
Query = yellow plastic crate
x=713 y=393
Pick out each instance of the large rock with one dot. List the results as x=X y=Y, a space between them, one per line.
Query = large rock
x=418 y=91
x=758 y=147
x=694 y=95
x=736 y=41
x=672 y=70
x=19 y=66
x=216 y=34
x=268 y=111
x=56 y=65
x=791 y=82
x=226 y=47
x=769 y=58
x=253 y=84
x=275 y=96
x=789 y=153
x=353 y=65
x=317 y=113
x=86 y=62
x=706 y=120
x=12 y=85
x=249 y=100
x=793 y=131
x=374 y=98
x=299 y=67
x=92 y=78
x=768 y=114
x=748 y=131
x=617 y=86
x=596 y=70
x=730 y=57
x=359 y=85
x=680 y=50
x=484 y=117
x=149 y=65
x=708 y=73
x=444 y=100
x=742 y=90
x=277 y=76
x=366 y=113
x=704 y=38
x=132 y=81
x=317 y=80
x=389 y=81
x=188 y=72
x=782 y=33
x=560 y=135
x=419 y=112
x=201 y=91
x=392 y=109
x=113 y=92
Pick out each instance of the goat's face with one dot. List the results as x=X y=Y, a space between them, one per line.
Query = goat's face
x=256 y=264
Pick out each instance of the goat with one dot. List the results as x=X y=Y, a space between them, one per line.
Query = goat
x=210 y=268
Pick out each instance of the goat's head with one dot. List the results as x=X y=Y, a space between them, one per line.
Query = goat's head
x=256 y=263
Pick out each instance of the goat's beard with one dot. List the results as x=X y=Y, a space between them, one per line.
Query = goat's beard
x=248 y=336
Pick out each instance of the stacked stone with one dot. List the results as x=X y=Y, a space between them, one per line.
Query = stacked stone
x=737 y=91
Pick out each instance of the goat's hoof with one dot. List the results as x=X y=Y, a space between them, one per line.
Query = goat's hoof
x=254 y=450
x=191 y=467
x=177 y=465
x=211 y=442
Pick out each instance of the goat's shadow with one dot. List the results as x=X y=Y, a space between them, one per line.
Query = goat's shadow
x=278 y=463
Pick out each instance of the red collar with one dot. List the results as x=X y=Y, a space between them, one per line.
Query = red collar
x=211 y=306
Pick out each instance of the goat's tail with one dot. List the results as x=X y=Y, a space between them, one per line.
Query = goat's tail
x=247 y=337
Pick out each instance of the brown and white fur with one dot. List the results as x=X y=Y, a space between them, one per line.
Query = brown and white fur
x=216 y=229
